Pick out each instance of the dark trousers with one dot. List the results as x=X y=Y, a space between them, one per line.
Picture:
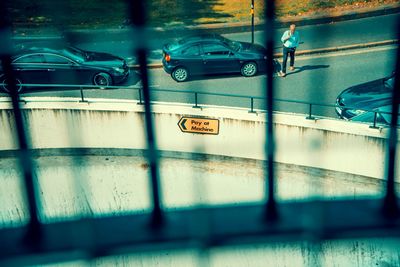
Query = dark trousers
x=288 y=51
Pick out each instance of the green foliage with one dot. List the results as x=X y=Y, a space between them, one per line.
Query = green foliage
x=322 y=3
x=71 y=13
x=111 y=13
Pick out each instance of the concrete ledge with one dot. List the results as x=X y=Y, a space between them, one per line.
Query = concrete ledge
x=322 y=143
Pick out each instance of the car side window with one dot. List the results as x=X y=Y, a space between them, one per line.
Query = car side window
x=191 y=51
x=37 y=58
x=215 y=50
x=55 y=59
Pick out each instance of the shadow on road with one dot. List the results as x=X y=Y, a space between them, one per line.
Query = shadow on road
x=277 y=68
x=220 y=76
x=132 y=80
x=307 y=67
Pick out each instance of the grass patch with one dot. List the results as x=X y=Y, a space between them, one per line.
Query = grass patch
x=98 y=14
x=321 y=4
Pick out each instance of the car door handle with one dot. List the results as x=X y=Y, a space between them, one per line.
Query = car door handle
x=51 y=69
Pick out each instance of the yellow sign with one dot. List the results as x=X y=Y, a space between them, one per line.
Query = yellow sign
x=199 y=125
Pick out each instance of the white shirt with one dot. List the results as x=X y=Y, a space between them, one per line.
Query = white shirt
x=293 y=40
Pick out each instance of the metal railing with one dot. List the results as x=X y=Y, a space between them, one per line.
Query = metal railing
x=270 y=220
x=309 y=106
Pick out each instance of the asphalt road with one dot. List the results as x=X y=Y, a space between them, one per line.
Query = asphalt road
x=349 y=32
x=317 y=79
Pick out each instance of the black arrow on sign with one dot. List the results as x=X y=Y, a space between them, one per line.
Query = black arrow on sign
x=183 y=124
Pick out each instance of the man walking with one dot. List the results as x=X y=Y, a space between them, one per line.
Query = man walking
x=290 y=40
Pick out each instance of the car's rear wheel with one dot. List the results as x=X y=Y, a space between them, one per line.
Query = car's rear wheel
x=249 y=69
x=180 y=74
x=5 y=84
x=102 y=79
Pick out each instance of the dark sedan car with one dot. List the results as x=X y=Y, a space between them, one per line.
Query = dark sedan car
x=356 y=100
x=68 y=65
x=212 y=54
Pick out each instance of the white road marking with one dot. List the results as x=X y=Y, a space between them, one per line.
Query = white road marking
x=348 y=52
x=140 y=86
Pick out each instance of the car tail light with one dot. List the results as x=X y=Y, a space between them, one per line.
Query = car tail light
x=167 y=58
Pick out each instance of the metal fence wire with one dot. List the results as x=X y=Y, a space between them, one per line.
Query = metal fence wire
x=272 y=221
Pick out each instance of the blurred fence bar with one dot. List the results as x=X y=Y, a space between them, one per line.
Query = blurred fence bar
x=230 y=225
x=138 y=17
x=391 y=208
x=271 y=210
x=24 y=156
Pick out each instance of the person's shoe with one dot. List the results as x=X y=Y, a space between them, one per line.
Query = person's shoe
x=291 y=68
x=282 y=74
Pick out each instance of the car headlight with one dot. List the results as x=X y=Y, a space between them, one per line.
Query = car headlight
x=356 y=112
x=120 y=70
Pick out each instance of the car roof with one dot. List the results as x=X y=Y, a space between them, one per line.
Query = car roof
x=32 y=50
x=201 y=37
x=24 y=49
x=192 y=39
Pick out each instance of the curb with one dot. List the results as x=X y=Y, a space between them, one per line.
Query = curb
x=225 y=28
x=342 y=48
x=300 y=20
x=306 y=52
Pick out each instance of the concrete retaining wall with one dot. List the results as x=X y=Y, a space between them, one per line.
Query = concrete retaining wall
x=114 y=185
x=103 y=185
x=325 y=143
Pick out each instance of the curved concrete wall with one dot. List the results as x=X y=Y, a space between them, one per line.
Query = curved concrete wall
x=325 y=143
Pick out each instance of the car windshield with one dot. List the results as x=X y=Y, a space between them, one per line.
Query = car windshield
x=235 y=46
x=178 y=43
x=174 y=45
x=76 y=53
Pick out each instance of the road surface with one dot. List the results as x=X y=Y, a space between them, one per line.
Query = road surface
x=342 y=33
x=317 y=79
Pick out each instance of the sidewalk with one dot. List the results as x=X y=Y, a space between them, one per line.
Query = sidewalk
x=349 y=30
x=352 y=34
x=236 y=27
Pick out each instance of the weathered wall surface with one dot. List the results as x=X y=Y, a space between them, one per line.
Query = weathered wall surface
x=326 y=143
x=74 y=187
x=103 y=185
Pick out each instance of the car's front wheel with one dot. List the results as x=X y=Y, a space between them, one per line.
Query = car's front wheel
x=180 y=74
x=5 y=84
x=102 y=79
x=249 y=69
